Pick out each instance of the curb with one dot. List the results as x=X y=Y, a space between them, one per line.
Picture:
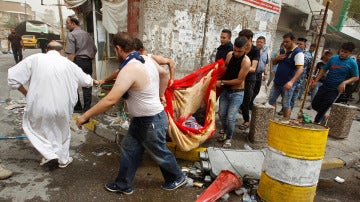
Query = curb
x=114 y=135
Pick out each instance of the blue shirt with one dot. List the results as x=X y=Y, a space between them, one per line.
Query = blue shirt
x=274 y=54
x=339 y=71
x=263 y=61
x=287 y=67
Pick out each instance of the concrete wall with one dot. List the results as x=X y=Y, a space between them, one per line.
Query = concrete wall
x=183 y=31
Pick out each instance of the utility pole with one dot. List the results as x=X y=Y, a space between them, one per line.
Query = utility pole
x=25 y=11
x=61 y=24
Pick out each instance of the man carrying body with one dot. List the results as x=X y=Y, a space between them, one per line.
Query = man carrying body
x=161 y=60
x=50 y=100
x=226 y=45
x=232 y=84
x=254 y=54
x=261 y=68
x=16 y=43
x=290 y=67
x=81 y=50
x=145 y=82
x=342 y=70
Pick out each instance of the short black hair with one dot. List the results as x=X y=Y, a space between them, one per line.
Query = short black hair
x=246 y=33
x=138 y=44
x=74 y=19
x=226 y=31
x=239 y=42
x=349 y=46
x=125 y=41
x=302 y=39
x=289 y=35
x=312 y=45
x=261 y=37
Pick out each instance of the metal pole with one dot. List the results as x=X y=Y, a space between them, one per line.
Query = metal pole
x=314 y=58
x=61 y=24
x=25 y=11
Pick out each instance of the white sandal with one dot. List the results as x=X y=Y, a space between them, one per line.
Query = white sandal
x=227 y=144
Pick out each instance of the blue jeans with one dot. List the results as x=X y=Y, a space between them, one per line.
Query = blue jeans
x=146 y=133
x=286 y=95
x=229 y=103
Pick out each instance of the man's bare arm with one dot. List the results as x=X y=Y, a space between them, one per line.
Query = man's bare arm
x=166 y=61
x=71 y=56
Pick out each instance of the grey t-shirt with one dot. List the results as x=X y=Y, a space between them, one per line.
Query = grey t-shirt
x=80 y=43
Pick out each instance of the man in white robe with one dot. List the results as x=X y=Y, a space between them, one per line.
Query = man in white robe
x=50 y=100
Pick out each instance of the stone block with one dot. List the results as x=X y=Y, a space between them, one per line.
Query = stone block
x=340 y=121
x=260 y=117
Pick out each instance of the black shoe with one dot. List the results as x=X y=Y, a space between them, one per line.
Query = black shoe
x=280 y=113
x=114 y=188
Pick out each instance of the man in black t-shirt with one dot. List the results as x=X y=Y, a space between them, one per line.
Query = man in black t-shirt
x=16 y=43
x=254 y=54
x=226 y=45
x=43 y=41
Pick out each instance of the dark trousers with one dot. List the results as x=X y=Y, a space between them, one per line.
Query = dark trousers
x=86 y=66
x=18 y=56
x=248 y=94
x=257 y=87
x=323 y=101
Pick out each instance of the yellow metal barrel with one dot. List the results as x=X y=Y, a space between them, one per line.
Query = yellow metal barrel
x=292 y=163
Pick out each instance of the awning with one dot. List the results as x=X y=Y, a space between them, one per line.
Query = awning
x=114 y=15
x=74 y=3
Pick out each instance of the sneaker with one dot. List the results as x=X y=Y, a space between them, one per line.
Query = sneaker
x=222 y=138
x=227 y=144
x=114 y=188
x=66 y=164
x=174 y=185
x=4 y=173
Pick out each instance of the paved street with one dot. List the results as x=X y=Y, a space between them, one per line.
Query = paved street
x=97 y=160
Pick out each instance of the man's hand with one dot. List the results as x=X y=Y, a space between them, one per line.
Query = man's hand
x=341 y=87
x=280 y=57
x=264 y=77
x=81 y=120
x=288 y=85
x=163 y=100
x=171 y=81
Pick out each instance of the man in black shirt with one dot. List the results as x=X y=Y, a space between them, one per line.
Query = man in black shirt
x=226 y=45
x=254 y=54
x=43 y=41
x=16 y=45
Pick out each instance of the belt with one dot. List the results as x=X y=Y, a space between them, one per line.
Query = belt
x=235 y=90
x=82 y=58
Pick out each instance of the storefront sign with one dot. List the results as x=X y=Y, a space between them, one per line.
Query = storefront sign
x=273 y=6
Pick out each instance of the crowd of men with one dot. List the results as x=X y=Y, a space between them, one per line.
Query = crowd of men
x=141 y=78
x=290 y=68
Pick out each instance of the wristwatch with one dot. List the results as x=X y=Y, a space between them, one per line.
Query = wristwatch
x=221 y=82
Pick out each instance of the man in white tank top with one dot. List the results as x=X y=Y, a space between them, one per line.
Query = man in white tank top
x=144 y=81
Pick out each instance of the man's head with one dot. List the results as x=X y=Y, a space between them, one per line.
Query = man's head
x=225 y=36
x=12 y=30
x=346 y=50
x=301 y=42
x=124 y=44
x=239 y=47
x=260 y=42
x=139 y=46
x=289 y=41
x=72 y=22
x=327 y=55
x=54 y=45
x=248 y=35
x=312 y=47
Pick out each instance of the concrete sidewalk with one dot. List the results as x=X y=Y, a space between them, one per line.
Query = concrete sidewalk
x=339 y=152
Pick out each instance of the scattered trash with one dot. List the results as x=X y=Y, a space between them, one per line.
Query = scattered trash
x=339 y=179
x=247 y=147
x=192 y=123
x=207 y=178
x=101 y=151
x=10 y=137
x=198 y=184
x=94 y=164
x=225 y=197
